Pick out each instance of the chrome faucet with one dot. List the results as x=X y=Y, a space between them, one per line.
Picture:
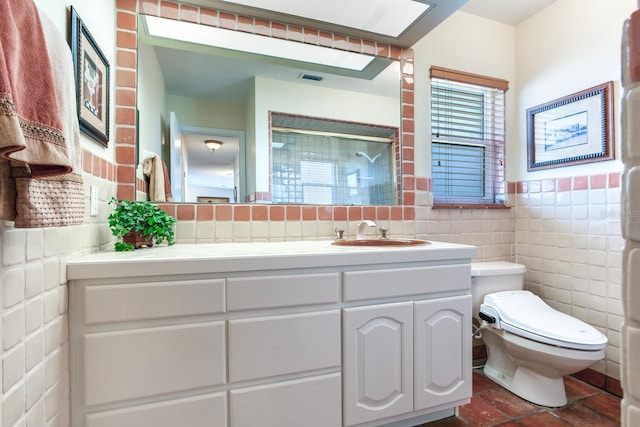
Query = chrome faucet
x=362 y=225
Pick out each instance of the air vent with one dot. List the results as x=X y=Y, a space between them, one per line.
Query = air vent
x=313 y=77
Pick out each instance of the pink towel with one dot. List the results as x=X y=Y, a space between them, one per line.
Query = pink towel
x=38 y=193
x=159 y=185
x=30 y=127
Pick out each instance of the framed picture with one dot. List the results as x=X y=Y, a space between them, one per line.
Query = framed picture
x=92 y=82
x=571 y=130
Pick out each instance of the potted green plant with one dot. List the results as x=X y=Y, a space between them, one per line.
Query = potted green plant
x=139 y=224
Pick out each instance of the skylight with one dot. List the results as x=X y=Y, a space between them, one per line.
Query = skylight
x=252 y=43
x=387 y=17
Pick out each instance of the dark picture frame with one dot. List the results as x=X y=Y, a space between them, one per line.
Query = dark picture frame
x=91 y=70
x=571 y=130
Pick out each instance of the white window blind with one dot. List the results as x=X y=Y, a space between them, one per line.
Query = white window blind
x=467 y=126
x=317 y=182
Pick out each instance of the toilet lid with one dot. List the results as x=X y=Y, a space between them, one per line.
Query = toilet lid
x=525 y=314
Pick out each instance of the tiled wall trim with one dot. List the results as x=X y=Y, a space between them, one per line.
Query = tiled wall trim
x=558 y=185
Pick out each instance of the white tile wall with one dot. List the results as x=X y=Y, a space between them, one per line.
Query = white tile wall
x=630 y=229
x=34 y=359
x=491 y=230
x=570 y=242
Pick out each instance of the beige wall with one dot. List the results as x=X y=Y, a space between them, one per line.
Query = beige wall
x=570 y=46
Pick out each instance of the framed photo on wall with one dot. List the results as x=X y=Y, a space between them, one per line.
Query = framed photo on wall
x=575 y=129
x=92 y=82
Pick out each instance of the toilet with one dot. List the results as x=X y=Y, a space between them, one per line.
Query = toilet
x=530 y=346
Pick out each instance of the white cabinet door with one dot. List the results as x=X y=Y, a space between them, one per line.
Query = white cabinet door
x=378 y=362
x=442 y=351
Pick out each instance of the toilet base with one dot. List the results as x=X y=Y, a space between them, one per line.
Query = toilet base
x=532 y=370
x=533 y=387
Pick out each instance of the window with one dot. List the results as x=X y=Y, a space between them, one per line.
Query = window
x=467 y=128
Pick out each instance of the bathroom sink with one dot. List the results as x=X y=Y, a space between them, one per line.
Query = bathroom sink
x=381 y=242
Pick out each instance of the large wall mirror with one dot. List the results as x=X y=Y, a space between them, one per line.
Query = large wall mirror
x=192 y=92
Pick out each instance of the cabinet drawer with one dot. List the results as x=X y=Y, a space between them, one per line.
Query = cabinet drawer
x=395 y=282
x=276 y=345
x=246 y=293
x=145 y=362
x=130 y=302
x=206 y=410
x=309 y=402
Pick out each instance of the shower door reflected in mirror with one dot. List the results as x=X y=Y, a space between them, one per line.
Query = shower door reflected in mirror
x=325 y=162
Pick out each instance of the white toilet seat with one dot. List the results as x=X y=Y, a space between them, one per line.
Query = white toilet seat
x=527 y=315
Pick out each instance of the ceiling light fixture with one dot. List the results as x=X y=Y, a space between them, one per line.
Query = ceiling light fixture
x=256 y=44
x=212 y=144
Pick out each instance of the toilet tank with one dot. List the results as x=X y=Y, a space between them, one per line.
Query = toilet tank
x=490 y=277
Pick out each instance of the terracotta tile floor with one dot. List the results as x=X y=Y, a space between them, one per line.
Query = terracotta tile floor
x=493 y=406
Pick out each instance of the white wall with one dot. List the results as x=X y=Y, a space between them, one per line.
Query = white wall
x=252 y=163
x=151 y=97
x=207 y=113
x=568 y=47
x=99 y=17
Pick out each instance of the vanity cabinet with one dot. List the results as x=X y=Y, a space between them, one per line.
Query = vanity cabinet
x=299 y=334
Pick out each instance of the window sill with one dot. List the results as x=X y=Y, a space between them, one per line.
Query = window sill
x=467 y=206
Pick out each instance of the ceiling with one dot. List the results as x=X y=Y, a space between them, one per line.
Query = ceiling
x=511 y=12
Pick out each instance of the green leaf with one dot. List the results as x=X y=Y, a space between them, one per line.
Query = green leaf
x=141 y=216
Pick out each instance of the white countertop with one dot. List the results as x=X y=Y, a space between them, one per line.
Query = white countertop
x=229 y=257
